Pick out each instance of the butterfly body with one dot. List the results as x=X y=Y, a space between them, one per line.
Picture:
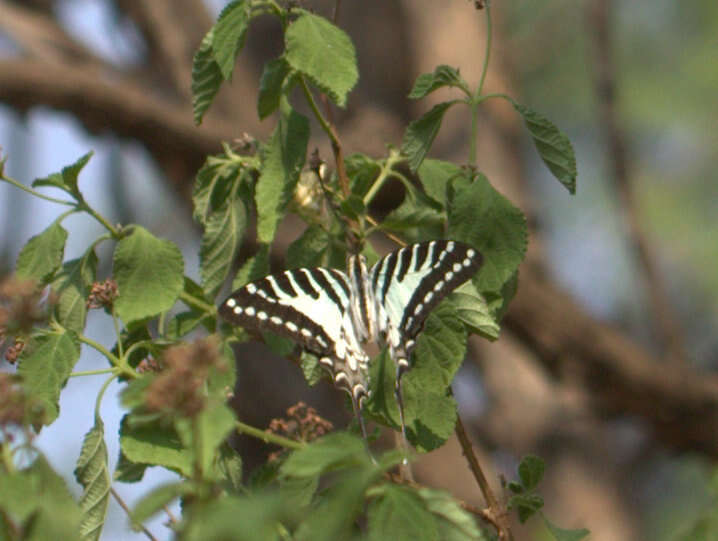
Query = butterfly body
x=332 y=314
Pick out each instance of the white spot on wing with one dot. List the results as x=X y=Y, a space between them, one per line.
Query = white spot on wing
x=306 y=332
x=467 y=262
x=450 y=246
x=457 y=267
x=262 y=316
x=418 y=309
x=448 y=276
x=291 y=326
x=250 y=311
x=428 y=297
x=231 y=303
x=438 y=285
x=251 y=288
x=276 y=320
x=471 y=252
x=238 y=310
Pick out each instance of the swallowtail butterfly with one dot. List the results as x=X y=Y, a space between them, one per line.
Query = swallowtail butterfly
x=331 y=314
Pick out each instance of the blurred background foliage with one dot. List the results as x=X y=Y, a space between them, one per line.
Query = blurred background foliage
x=667 y=80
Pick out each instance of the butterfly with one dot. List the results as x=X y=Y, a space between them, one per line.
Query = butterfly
x=332 y=314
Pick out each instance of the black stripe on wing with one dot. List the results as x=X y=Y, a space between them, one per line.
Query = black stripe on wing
x=266 y=305
x=448 y=265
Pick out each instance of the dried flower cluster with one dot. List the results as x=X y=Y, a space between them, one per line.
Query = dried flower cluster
x=148 y=364
x=21 y=308
x=302 y=423
x=179 y=387
x=16 y=408
x=103 y=294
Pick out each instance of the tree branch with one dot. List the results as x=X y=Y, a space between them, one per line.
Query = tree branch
x=617 y=154
x=121 y=105
x=679 y=402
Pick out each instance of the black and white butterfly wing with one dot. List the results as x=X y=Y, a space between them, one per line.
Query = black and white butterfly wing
x=407 y=284
x=310 y=306
x=410 y=282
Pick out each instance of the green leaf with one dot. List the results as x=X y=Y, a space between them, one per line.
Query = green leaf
x=184 y=323
x=270 y=86
x=215 y=423
x=440 y=349
x=435 y=177
x=282 y=161
x=324 y=54
x=310 y=249
x=565 y=535
x=229 y=463
x=485 y=219
x=362 y=171
x=416 y=219
x=229 y=34
x=128 y=471
x=398 y=513
x=72 y=287
x=353 y=207
x=516 y=488
x=336 y=450
x=232 y=517
x=531 y=471
x=498 y=302
x=45 y=365
x=430 y=413
x=443 y=76
x=431 y=416
x=215 y=183
x=66 y=180
x=42 y=255
x=206 y=77
x=454 y=524
x=163 y=495
x=526 y=505
x=149 y=273
x=254 y=268
x=335 y=514
x=473 y=311
x=552 y=145
x=38 y=497
x=154 y=444
x=92 y=473
x=312 y=370
x=222 y=238
x=420 y=134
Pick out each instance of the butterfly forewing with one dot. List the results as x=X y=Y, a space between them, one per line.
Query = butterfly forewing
x=410 y=282
x=311 y=307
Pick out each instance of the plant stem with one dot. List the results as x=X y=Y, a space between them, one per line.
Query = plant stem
x=93 y=372
x=478 y=98
x=129 y=514
x=36 y=193
x=102 y=393
x=116 y=361
x=487 y=54
x=333 y=137
x=194 y=302
x=267 y=437
x=385 y=173
x=116 y=233
x=497 y=512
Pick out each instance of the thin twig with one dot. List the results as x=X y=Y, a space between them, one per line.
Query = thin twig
x=599 y=23
x=129 y=514
x=498 y=515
